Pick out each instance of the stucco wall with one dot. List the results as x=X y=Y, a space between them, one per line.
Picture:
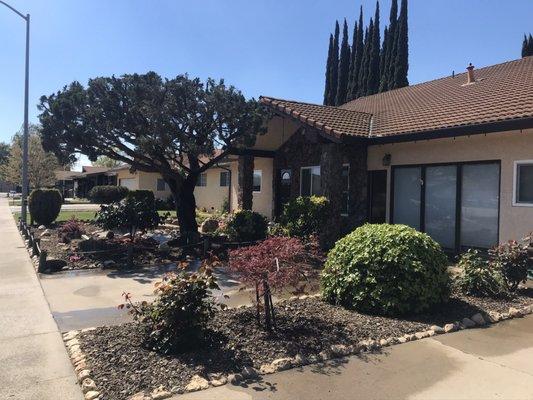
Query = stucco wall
x=515 y=221
x=263 y=200
x=126 y=174
x=212 y=196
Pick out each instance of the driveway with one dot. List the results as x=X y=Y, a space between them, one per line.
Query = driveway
x=491 y=363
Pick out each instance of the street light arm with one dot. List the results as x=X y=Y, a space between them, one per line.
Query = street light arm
x=14 y=10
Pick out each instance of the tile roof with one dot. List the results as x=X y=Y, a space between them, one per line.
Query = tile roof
x=332 y=120
x=502 y=92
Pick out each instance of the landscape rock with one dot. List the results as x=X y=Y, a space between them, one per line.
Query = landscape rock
x=340 y=350
x=494 y=317
x=85 y=373
x=217 y=379
x=324 y=355
x=139 y=396
x=163 y=247
x=45 y=233
x=384 y=342
x=267 y=369
x=468 y=323
x=197 y=383
x=300 y=360
x=478 y=319
x=249 y=372
x=450 y=328
x=235 y=379
x=87 y=385
x=527 y=310
x=109 y=263
x=431 y=333
x=85 y=237
x=515 y=313
x=210 y=225
x=41 y=227
x=437 y=329
x=421 y=335
x=401 y=340
x=281 y=364
x=91 y=395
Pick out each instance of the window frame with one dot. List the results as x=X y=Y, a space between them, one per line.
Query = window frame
x=260 y=171
x=516 y=188
x=226 y=173
x=310 y=167
x=199 y=183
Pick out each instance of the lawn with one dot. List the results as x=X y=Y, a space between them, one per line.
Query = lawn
x=89 y=215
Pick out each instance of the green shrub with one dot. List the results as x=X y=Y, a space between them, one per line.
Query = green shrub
x=177 y=319
x=246 y=226
x=167 y=204
x=478 y=277
x=146 y=196
x=133 y=213
x=44 y=205
x=106 y=194
x=304 y=216
x=386 y=269
x=512 y=260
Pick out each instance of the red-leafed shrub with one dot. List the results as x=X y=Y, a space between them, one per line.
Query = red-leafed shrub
x=72 y=229
x=276 y=263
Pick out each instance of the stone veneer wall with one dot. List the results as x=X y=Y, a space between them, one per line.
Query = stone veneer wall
x=307 y=149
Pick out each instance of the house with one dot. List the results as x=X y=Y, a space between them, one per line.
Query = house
x=452 y=157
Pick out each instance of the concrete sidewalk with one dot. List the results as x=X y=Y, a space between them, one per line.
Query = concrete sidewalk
x=33 y=361
x=491 y=363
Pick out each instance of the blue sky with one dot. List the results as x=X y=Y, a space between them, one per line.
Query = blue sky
x=276 y=48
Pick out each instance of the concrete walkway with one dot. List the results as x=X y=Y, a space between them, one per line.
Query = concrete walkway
x=491 y=363
x=33 y=361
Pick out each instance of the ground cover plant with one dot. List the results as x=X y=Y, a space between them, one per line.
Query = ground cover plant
x=386 y=269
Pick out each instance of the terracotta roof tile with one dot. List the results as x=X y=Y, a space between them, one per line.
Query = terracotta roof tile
x=501 y=92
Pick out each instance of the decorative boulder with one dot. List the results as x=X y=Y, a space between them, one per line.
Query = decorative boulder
x=210 y=225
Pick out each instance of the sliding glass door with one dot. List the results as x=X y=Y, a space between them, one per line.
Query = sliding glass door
x=456 y=204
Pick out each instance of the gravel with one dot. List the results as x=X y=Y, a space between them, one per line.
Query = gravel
x=121 y=366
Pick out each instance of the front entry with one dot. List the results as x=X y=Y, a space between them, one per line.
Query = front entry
x=456 y=204
x=283 y=189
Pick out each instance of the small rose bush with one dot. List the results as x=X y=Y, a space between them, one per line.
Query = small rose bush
x=479 y=277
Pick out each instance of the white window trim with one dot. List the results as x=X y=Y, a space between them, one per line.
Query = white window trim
x=260 y=171
x=301 y=171
x=516 y=203
x=347 y=190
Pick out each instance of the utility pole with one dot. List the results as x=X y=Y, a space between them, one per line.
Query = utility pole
x=25 y=183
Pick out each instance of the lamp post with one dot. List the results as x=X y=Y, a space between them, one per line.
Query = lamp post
x=25 y=135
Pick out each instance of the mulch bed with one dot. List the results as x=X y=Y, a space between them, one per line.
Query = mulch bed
x=77 y=255
x=121 y=366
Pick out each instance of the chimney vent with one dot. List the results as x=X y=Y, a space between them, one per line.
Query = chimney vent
x=470 y=73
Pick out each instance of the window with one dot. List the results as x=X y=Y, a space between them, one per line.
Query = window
x=202 y=180
x=224 y=178
x=345 y=189
x=258 y=176
x=523 y=183
x=161 y=185
x=310 y=181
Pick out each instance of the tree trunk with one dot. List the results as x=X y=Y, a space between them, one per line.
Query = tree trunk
x=186 y=209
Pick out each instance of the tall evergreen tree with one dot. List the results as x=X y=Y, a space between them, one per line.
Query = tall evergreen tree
x=527 y=46
x=353 y=91
x=353 y=50
x=390 y=49
x=365 y=63
x=401 y=62
x=373 y=66
x=344 y=67
x=334 y=77
x=327 y=85
x=382 y=60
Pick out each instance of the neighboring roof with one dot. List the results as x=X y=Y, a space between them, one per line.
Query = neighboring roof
x=66 y=175
x=89 y=169
x=501 y=93
x=332 y=120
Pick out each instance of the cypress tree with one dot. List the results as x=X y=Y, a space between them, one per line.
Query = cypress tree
x=527 y=46
x=358 y=58
x=530 y=46
x=362 y=81
x=373 y=66
x=334 y=77
x=401 y=63
x=327 y=85
x=344 y=67
x=390 y=49
x=383 y=60
x=351 y=71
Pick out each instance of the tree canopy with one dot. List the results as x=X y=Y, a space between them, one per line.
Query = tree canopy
x=169 y=126
x=41 y=164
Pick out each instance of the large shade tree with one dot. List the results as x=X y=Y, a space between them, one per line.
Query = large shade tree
x=169 y=126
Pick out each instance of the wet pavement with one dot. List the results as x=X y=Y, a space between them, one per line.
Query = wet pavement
x=88 y=298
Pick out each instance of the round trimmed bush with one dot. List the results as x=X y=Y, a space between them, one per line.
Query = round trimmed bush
x=386 y=269
x=246 y=226
x=44 y=205
x=305 y=215
x=106 y=194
